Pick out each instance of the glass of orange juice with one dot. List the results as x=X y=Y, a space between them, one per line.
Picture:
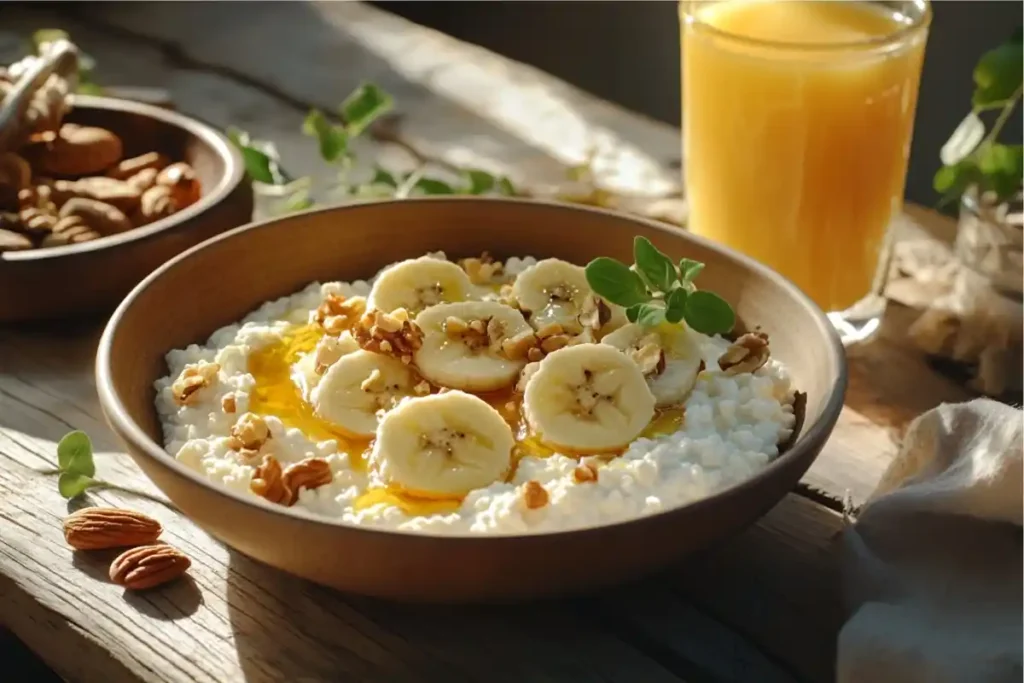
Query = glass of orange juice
x=797 y=119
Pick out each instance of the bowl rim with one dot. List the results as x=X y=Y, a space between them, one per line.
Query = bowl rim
x=129 y=431
x=222 y=147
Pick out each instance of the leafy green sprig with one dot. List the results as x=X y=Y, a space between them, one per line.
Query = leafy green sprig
x=972 y=157
x=75 y=465
x=655 y=289
x=357 y=113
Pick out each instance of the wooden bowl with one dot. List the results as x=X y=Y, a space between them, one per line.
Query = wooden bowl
x=93 y=277
x=222 y=280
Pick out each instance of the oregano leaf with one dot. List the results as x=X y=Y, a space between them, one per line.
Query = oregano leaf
x=650 y=314
x=478 y=182
x=615 y=282
x=366 y=104
x=333 y=140
x=689 y=269
x=71 y=484
x=74 y=454
x=657 y=269
x=708 y=313
x=675 y=305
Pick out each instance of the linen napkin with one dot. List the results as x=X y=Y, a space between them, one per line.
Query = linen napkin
x=932 y=568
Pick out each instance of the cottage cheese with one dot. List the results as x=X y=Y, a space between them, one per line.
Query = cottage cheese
x=731 y=430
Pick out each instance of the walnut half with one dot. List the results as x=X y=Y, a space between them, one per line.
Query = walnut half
x=747 y=354
x=192 y=379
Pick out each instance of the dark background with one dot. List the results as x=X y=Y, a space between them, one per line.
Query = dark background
x=628 y=52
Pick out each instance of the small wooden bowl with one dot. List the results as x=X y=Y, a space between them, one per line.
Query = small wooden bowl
x=92 y=277
x=222 y=280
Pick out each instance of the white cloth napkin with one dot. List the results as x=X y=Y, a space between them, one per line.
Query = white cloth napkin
x=932 y=569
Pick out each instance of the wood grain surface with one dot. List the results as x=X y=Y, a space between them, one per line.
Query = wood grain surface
x=763 y=607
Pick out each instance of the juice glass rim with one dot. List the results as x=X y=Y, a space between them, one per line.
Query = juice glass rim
x=918 y=23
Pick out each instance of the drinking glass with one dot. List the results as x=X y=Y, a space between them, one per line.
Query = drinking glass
x=797 y=120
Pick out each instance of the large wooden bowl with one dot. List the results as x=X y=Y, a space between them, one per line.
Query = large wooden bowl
x=220 y=281
x=83 y=279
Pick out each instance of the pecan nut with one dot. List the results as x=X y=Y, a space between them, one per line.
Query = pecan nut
x=101 y=217
x=266 y=481
x=148 y=566
x=97 y=528
x=535 y=496
x=127 y=168
x=77 y=151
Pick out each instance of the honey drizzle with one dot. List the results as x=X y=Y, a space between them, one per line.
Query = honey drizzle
x=278 y=393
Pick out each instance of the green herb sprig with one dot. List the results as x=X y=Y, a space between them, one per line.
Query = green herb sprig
x=357 y=113
x=655 y=289
x=75 y=465
x=972 y=157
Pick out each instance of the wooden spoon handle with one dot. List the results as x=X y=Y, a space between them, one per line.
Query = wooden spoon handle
x=59 y=57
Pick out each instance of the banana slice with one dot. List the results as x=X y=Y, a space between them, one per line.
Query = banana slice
x=588 y=399
x=311 y=368
x=462 y=345
x=672 y=382
x=556 y=291
x=446 y=444
x=418 y=283
x=359 y=385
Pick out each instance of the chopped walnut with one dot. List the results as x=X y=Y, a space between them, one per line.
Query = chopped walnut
x=192 y=379
x=337 y=314
x=584 y=473
x=389 y=334
x=267 y=481
x=535 y=354
x=228 y=403
x=517 y=347
x=550 y=330
x=249 y=432
x=483 y=270
x=328 y=352
x=422 y=388
x=747 y=354
x=535 y=496
x=648 y=355
x=555 y=342
x=310 y=473
x=594 y=314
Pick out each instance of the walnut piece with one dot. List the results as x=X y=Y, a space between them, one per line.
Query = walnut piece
x=747 y=354
x=337 y=314
x=517 y=347
x=483 y=270
x=310 y=473
x=228 y=403
x=389 y=334
x=535 y=496
x=584 y=473
x=266 y=481
x=250 y=432
x=192 y=379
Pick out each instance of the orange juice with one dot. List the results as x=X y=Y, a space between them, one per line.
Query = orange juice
x=797 y=118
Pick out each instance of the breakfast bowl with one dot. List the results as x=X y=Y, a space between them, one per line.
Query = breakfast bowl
x=208 y=421
x=93 y=276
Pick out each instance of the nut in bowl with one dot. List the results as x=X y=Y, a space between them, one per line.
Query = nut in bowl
x=373 y=396
x=115 y=191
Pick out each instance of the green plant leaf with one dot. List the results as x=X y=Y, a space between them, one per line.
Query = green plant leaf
x=333 y=140
x=709 y=313
x=964 y=140
x=506 y=187
x=675 y=305
x=998 y=74
x=432 y=186
x=71 y=484
x=648 y=315
x=951 y=181
x=615 y=282
x=89 y=89
x=689 y=269
x=478 y=182
x=1002 y=167
x=382 y=177
x=259 y=165
x=366 y=104
x=657 y=269
x=74 y=454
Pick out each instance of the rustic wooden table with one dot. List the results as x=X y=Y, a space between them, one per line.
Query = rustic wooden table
x=762 y=607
